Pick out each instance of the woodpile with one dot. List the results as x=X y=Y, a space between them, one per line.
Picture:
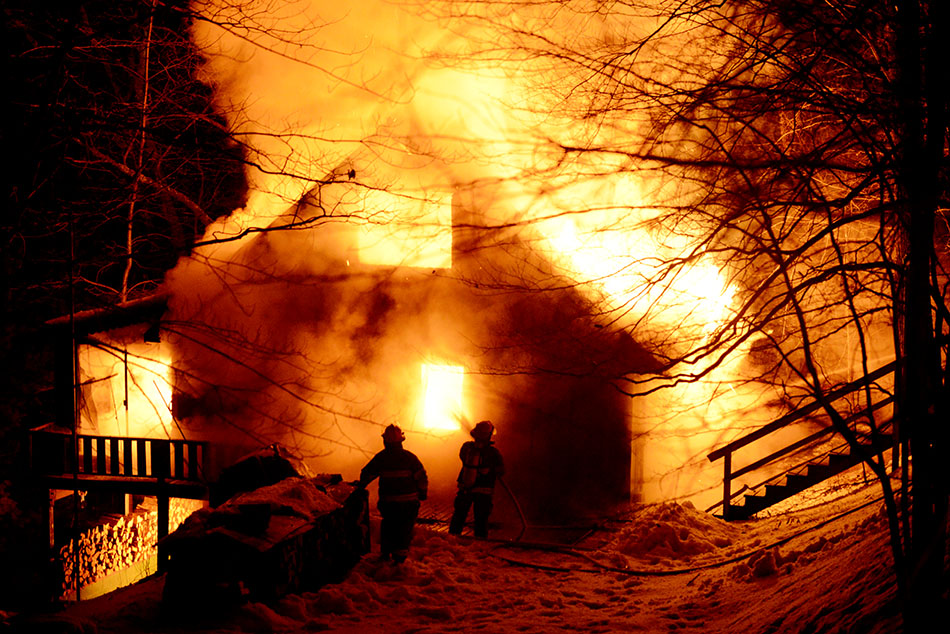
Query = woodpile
x=117 y=544
x=179 y=509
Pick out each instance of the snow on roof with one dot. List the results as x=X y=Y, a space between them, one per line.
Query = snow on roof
x=137 y=311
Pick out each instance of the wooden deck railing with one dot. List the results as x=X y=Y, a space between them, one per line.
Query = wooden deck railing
x=55 y=453
x=726 y=452
x=160 y=467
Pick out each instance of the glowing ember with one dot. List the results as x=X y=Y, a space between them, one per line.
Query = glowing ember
x=442 y=386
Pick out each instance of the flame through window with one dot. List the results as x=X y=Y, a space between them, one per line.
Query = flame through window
x=442 y=396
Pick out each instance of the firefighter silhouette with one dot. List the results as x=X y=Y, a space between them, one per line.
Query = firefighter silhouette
x=402 y=485
x=482 y=464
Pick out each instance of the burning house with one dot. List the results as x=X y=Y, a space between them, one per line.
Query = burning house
x=412 y=252
x=344 y=344
x=301 y=338
x=387 y=267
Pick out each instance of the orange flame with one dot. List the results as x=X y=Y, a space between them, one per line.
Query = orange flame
x=442 y=401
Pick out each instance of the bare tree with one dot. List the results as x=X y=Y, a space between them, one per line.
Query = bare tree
x=809 y=142
x=129 y=161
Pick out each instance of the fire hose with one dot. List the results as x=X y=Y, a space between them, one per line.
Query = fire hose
x=514 y=500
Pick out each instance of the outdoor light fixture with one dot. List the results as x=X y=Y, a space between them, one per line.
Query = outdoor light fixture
x=153 y=335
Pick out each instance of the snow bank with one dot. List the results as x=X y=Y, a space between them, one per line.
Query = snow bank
x=810 y=572
x=672 y=532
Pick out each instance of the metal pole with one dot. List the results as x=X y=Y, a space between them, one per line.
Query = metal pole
x=74 y=352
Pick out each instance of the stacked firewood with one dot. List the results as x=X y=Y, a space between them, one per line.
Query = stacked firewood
x=114 y=546
x=105 y=549
x=179 y=509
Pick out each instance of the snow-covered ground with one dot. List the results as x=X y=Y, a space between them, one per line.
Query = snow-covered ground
x=820 y=564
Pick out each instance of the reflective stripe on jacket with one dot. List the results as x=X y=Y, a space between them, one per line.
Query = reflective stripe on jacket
x=402 y=478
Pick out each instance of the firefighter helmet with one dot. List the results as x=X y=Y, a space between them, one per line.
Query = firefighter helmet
x=483 y=430
x=393 y=434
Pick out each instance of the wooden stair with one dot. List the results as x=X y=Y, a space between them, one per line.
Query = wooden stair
x=806 y=476
x=872 y=425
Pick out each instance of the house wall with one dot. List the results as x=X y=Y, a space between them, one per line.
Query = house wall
x=566 y=441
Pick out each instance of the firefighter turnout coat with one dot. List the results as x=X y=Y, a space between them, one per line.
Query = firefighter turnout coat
x=481 y=466
x=402 y=478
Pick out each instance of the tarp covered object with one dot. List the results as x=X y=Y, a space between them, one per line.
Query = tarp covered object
x=295 y=534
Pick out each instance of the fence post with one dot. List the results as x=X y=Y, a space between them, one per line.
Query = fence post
x=726 y=484
x=162 y=499
x=161 y=465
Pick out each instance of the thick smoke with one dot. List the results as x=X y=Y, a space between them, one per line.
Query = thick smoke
x=369 y=127
x=306 y=85
x=356 y=118
x=283 y=335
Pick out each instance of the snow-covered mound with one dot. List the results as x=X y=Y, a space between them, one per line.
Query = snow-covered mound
x=293 y=496
x=252 y=512
x=291 y=535
x=672 y=532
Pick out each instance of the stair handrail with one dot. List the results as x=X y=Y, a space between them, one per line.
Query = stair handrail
x=798 y=444
x=807 y=440
x=725 y=452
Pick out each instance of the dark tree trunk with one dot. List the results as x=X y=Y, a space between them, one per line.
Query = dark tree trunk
x=924 y=128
